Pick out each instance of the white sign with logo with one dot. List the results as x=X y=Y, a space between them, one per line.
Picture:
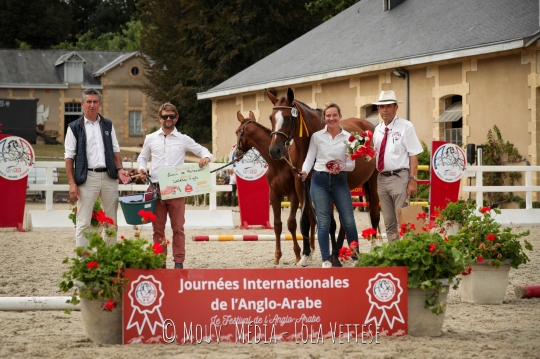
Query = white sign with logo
x=16 y=158
x=449 y=162
x=251 y=167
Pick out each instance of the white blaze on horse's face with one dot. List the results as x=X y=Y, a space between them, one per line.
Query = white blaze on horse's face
x=279 y=120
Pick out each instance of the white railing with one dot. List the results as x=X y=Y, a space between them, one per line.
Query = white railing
x=49 y=187
x=527 y=216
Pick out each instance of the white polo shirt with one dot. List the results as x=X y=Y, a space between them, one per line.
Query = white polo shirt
x=401 y=143
x=323 y=148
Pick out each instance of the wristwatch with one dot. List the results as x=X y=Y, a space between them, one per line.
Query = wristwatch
x=414 y=178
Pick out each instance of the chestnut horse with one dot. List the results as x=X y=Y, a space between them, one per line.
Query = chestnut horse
x=292 y=124
x=252 y=134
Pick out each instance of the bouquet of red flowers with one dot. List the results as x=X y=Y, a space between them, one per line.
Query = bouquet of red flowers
x=359 y=144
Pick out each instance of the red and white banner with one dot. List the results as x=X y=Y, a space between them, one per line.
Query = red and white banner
x=257 y=306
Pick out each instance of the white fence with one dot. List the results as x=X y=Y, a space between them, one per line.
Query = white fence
x=49 y=187
x=529 y=215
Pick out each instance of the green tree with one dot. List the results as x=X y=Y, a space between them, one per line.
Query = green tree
x=33 y=24
x=329 y=7
x=496 y=152
x=127 y=40
x=197 y=44
x=424 y=158
x=99 y=17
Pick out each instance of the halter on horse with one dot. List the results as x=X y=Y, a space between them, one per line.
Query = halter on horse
x=279 y=177
x=292 y=124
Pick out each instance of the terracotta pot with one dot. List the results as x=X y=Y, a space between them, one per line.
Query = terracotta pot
x=486 y=284
x=102 y=326
x=422 y=322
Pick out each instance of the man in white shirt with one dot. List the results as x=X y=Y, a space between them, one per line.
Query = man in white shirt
x=168 y=148
x=93 y=164
x=397 y=148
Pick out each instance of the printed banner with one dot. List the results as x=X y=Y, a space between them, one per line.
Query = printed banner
x=262 y=306
x=183 y=181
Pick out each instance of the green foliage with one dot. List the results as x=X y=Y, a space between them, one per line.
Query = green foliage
x=34 y=24
x=329 y=7
x=197 y=44
x=485 y=239
x=424 y=158
x=428 y=257
x=94 y=222
x=100 y=16
x=496 y=152
x=106 y=280
x=458 y=212
x=126 y=40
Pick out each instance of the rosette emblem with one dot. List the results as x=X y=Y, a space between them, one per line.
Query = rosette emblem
x=384 y=294
x=146 y=297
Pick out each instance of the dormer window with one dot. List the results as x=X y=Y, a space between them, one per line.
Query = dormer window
x=73 y=67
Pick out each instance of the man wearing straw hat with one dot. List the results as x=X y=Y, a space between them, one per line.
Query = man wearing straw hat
x=397 y=148
x=93 y=164
x=168 y=148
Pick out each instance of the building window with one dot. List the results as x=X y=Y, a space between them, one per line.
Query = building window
x=73 y=108
x=135 y=123
x=452 y=118
x=135 y=71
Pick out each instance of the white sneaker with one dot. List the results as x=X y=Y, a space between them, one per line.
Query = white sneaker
x=303 y=261
x=327 y=264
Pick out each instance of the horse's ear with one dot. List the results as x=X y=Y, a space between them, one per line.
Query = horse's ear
x=290 y=95
x=252 y=116
x=239 y=116
x=271 y=96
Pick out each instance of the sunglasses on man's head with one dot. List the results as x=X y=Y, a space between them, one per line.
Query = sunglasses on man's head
x=165 y=117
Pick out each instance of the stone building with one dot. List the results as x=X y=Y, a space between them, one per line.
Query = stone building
x=57 y=77
x=459 y=67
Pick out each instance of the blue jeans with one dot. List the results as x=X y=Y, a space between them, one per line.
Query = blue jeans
x=325 y=188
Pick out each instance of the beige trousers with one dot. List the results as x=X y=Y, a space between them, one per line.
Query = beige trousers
x=392 y=192
x=98 y=184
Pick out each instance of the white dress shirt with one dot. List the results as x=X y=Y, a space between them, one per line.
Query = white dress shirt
x=95 y=149
x=168 y=151
x=323 y=148
x=401 y=143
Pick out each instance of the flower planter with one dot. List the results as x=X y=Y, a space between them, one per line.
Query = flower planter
x=422 y=322
x=486 y=284
x=101 y=326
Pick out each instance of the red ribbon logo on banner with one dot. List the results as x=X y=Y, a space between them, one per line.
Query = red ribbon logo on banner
x=146 y=297
x=384 y=293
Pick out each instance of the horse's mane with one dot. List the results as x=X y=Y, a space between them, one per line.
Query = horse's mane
x=266 y=129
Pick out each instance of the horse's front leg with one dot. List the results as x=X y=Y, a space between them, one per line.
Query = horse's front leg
x=291 y=225
x=276 y=209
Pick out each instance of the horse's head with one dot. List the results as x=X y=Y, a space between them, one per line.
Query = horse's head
x=284 y=119
x=241 y=144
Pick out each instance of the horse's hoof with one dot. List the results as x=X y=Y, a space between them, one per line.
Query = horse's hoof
x=337 y=264
x=303 y=261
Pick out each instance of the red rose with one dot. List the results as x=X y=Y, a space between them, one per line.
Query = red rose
x=480 y=259
x=490 y=237
x=351 y=138
x=92 y=264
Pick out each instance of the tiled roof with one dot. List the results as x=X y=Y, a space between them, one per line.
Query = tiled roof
x=365 y=35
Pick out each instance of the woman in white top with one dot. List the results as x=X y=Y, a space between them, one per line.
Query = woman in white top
x=327 y=155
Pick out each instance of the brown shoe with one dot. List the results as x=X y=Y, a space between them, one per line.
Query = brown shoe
x=178 y=265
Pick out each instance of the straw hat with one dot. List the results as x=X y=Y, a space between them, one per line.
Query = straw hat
x=387 y=97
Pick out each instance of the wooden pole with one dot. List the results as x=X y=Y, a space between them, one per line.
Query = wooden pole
x=531 y=291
